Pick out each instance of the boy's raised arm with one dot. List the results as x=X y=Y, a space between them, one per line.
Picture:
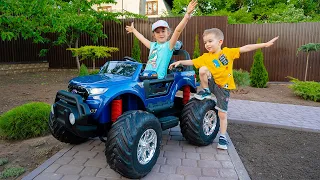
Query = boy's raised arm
x=251 y=47
x=183 y=23
x=141 y=38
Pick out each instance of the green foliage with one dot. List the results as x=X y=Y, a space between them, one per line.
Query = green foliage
x=308 y=90
x=83 y=70
x=93 y=52
x=26 y=121
x=241 y=78
x=258 y=73
x=94 y=72
x=309 y=47
x=196 y=54
x=262 y=11
x=136 y=52
x=3 y=161
x=12 y=172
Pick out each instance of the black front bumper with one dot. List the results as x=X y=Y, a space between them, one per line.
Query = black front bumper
x=67 y=103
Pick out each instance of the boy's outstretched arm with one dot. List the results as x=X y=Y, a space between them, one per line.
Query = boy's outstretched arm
x=251 y=47
x=182 y=62
x=183 y=23
x=141 y=38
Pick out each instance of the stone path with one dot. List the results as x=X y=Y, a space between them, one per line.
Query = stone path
x=179 y=160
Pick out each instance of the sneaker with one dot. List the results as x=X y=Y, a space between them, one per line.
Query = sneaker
x=223 y=143
x=203 y=94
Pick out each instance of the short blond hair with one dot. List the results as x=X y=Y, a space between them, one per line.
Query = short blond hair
x=215 y=31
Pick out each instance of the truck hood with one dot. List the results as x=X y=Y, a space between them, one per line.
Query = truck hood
x=99 y=80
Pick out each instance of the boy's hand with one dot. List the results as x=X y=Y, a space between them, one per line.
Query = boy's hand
x=191 y=6
x=174 y=65
x=270 y=43
x=130 y=29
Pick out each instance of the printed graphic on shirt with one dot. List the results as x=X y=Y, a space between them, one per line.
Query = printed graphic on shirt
x=153 y=58
x=223 y=60
x=229 y=75
x=226 y=86
x=216 y=63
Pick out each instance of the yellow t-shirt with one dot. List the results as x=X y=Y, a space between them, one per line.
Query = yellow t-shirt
x=220 y=65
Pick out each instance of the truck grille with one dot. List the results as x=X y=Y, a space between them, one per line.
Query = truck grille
x=78 y=90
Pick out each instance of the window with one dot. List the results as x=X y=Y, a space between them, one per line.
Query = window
x=152 y=8
x=105 y=8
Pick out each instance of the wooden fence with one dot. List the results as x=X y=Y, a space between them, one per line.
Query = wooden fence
x=280 y=60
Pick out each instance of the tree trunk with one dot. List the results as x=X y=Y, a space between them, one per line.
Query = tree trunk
x=77 y=57
x=306 y=73
x=93 y=64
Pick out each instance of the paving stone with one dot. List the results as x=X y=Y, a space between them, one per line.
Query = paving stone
x=189 y=162
x=70 y=169
x=161 y=160
x=206 y=149
x=98 y=149
x=48 y=176
x=174 y=154
x=188 y=171
x=177 y=138
x=82 y=147
x=97 y=143
x=156 y=176
x=207 y=156
x=227 y=164
x=191 y=177
x=195 y=156
x=89 y=171
x=52 y=168
x=70 y=153
x=108 y=173
x=156 y=168
x=71 y=177
x=175 y=133
x=91 y=178
x=222 y=157
x=87 y=154
x=63 y=160
x=210 y=164
x=175 y=177
x=210 y=172
x=79 y=161
x=174 y=161
x=168 y=169
x=170 y=142
x=100 y=163
x=228 y=173
x=188 y=149
x=172 y=148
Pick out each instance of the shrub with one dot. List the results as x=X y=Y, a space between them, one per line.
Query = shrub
x=3 y=161
x=83 y=70
x=136 y=52
x=259 y=74
x=241 y=77
x=93 y=52
x=308 y=90
x=94 y=72
x=12 y=172
x=196 y=54
x=26 y=121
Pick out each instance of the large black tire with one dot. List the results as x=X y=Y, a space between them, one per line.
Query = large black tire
x=123 y=140
x=62 y=134
x=192 y=122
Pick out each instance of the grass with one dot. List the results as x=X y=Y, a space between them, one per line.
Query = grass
x=3 y=161
x=12 y=172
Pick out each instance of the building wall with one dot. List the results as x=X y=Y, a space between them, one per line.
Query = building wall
x=134 y=6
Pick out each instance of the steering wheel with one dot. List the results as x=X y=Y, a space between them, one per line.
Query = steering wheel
x=127 y=58
x=177 y=69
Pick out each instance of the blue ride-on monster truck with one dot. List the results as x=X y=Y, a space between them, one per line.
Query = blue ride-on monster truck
x=131 y=107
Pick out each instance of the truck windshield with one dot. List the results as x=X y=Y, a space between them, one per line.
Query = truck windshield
x=119 y=68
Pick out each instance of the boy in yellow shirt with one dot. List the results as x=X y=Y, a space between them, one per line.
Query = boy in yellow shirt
x=216 y=73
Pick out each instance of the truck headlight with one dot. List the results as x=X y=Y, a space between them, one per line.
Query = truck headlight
x=96 y=91
x=72 y=119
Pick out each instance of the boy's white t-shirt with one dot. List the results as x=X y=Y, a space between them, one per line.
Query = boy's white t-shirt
x=159 y=58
